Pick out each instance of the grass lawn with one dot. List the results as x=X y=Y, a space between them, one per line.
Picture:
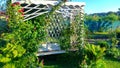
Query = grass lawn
x=112 y=63
x=65 y=61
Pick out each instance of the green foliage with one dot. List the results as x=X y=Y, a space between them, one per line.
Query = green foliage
x=97 y=23
x=21 y=43
x=92 y=18
x=41 y=63
x=9 y=65
x=98 y=64
x=93 y=56
x=103 y=22
x=94 y=51
x=12 y=51
x=103 y=44
x=64 y=39
x=112 y=17
x=112 y=63
x=117 y=32
x=100 y=35
x=113 y=52
x=3 y=26
x=111 y=46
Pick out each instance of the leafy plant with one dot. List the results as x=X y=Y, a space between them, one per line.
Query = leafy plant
x=93 y=56
x=98 y=64
x=103 y=44
x=117 y=32
x=21 y=42
x=3 y=26
x=64 y=39
x=113 y=50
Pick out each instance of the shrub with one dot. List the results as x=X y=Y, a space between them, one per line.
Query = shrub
x=118 y=32
x=113 y=52
x=21 y=43
x=3 y=26
x=93 y=56
x=103 y=44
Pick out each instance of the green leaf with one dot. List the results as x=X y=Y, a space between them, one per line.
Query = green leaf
x=15 y=53
x=9 y=65
x=4 y=59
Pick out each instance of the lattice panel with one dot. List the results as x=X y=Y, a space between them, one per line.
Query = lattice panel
x=67 y=18
x=76 y=15
x=78 y=28
x=57 y=24
x=33 y=10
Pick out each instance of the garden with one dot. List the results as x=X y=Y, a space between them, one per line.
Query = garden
x=95 y=39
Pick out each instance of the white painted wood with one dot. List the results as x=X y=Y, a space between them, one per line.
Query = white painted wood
x=35 y=15
x=50 y=53
x=75 y=3
x=47 y=3
x=49 y=47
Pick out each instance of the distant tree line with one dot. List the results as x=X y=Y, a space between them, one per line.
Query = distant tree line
x=101 y=21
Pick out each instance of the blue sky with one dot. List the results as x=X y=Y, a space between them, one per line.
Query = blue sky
x=96 y=6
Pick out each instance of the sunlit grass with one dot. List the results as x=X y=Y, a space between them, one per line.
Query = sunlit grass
x=101 y=33
x=112 y=63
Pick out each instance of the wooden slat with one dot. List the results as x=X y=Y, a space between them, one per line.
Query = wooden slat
x=66 y=7
x=50 y=53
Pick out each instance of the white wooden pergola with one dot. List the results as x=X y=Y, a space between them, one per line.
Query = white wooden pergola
x=34 y=8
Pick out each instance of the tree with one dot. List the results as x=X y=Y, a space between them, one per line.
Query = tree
x=100 y=23
x=111 y=18
x=118 y=9
x=118 y=13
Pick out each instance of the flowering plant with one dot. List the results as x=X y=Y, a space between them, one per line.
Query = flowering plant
x=16 y=12
x=21 y=41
